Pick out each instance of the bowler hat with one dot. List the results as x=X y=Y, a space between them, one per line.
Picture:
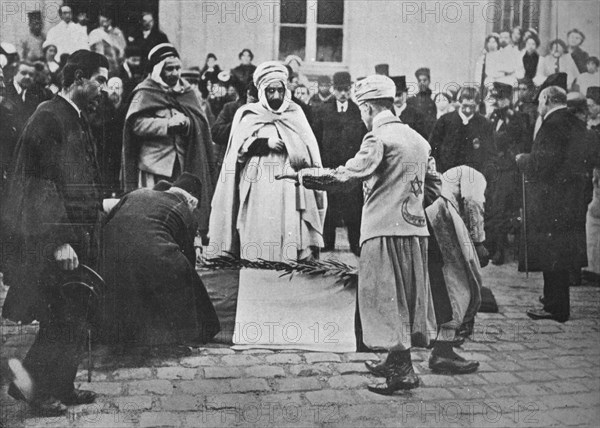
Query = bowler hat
x=342 y=79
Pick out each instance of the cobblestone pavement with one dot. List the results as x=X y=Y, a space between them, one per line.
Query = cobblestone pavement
x=532 y=374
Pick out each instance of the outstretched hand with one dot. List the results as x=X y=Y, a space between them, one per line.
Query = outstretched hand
x=289 y=176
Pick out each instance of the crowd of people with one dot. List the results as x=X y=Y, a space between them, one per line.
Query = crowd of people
x=256 y=164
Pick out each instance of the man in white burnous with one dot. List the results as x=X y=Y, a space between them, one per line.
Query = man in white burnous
x=253 y=215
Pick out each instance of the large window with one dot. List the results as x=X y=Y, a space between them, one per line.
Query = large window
x=510 y=13
x=312 y=29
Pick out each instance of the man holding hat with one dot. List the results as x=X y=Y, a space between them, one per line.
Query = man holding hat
x=511 y=135
x=166 y=132
x=405 y=112
x=52 y=224
x=155 y=295
x=324 y=93
x=340 y=130
x=254 y=215
x=422 y=101
x=394 y=297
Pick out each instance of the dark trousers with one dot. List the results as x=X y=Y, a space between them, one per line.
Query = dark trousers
x=340 y=207
x=439 y=291
x=58 y=349
x=556 y=292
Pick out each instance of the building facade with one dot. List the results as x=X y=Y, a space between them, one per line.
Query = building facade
x=335 y=35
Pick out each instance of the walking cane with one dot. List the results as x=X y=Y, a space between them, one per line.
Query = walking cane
x=300 y=207
x=524 y=217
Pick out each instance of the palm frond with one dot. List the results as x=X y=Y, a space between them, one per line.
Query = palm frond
x=345 y=274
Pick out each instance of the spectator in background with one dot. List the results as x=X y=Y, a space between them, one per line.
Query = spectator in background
x=487 y=69
x=301 y=93
x=245 y=70
x=8 y=139
x=443 y=104
x=192 y=75
x=324 y=92
x=340 y=130
x=525 y=102
x=575 y=39
x=108 y=40
x=510 y=66
x=221 y=129
x=516 y=38
x=131 y=72
x=463 y=137
x=294 y=62
x=591 y=77
x=67 y=36
x=531 y=58
x=222 y=92
x=211 y=70
x=511 y=136
x=31 y=45
x=24 y=95
x=557 y=61
x=106 y=123
x=292 y=84
x=83 y=21
x=51 y=67
x=422 y=101
x=408 y=114
x=149 y=36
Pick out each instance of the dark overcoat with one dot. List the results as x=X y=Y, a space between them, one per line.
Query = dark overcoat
x=340 y=136
x=53 y=198
x=555 y=173
x=148 y=263
x=454 y=144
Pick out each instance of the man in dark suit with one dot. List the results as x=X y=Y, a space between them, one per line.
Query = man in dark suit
x=131 y=71
x=339 y=130
x=150 y=36
x=406 y=113
x=556 y=207
x=511 y=135
x=463 y=137
x=422 y=101
x=24 y=94
x=52 y=224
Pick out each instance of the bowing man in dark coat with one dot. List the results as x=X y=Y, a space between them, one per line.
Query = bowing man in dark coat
x=406 y=112
x=52 y=219
x=556 y=208
x=149 y=264
x=463 y=137
x=511 y=135
x=339 y=130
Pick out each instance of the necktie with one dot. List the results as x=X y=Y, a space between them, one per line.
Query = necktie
x=556 y=66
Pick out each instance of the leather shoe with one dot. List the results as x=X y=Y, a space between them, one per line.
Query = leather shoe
x=452 y=365
x=396 y=382
x=79 y=396
x=540 y=314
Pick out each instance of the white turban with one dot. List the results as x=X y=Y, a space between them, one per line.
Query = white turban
x=267 y=73
x=374 y=87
